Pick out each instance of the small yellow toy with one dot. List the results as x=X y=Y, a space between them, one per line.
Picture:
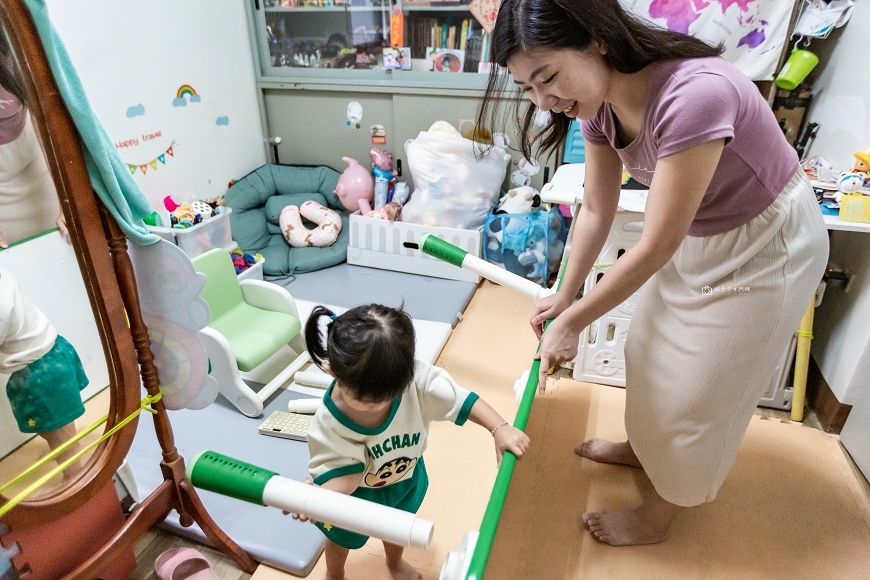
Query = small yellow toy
x=862 y=164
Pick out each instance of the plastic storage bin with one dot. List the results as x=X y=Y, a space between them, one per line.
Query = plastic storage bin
x=377 y=243
x=211 y=233
x=255 y=272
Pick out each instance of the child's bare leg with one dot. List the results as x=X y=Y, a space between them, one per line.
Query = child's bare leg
x=57 y=438
x=603 y=451
x=336 y=556
x=399 y=569
x=649 y=523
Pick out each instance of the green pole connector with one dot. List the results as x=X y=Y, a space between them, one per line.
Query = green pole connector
x=228 y=476
x=438 y=248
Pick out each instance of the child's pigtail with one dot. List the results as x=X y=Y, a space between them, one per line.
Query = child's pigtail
x=317 y=334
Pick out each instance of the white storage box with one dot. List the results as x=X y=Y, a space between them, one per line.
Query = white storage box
x=211 y=233
x=378 y=243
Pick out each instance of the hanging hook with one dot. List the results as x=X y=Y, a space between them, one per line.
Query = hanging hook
x=797 y=43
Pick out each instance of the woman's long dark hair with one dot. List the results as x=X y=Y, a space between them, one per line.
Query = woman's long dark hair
x=525 y=25
x=9 y=78
x=370 y=349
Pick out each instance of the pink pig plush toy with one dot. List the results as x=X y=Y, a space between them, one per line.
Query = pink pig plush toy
x=356 y=187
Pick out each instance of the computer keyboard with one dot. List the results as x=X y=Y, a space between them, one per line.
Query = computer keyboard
x=287 y=425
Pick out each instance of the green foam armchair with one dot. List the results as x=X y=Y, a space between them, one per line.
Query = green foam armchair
x=251 y=321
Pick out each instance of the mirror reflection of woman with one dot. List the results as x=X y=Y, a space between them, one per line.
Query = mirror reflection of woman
x=45 y=372
x=28 y=200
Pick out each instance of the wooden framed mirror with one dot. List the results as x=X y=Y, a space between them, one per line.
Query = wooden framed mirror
x=107 y=277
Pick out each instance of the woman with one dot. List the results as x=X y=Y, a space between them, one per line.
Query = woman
x=732 y=249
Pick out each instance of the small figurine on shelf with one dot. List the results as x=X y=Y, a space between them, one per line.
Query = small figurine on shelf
x=862 y=165
x=382 y=171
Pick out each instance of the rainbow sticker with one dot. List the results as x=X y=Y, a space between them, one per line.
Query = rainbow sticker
x=185 y=90
x=185 y=93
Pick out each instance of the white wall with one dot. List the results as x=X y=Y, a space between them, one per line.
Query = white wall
x=842 y=108
x=137 y=54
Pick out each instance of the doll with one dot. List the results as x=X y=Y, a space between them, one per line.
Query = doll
x=45 y=372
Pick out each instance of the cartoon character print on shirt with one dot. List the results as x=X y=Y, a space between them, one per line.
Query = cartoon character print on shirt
x=390 y=472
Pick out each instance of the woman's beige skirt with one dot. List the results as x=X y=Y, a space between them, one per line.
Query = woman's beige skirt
x=707 y=335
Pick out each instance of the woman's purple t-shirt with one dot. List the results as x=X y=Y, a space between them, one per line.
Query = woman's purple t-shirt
x=693 y=101
x=13 y=116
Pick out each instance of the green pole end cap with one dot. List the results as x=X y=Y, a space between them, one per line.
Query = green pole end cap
x=227 y=476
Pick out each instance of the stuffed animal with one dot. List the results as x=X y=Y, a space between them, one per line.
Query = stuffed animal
x=356 y=187
x=520 y=200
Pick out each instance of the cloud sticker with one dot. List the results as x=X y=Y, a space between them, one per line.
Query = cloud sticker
x=195 y=98
x=136 y=111
x=222 y=121
x=179 y=102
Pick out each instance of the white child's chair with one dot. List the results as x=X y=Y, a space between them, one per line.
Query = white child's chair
x=251 y=321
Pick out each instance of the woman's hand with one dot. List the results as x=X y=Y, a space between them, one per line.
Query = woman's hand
x=509 y=438
x=300 y=517
x=61 y=226
x=546 y=308
x=559 y=344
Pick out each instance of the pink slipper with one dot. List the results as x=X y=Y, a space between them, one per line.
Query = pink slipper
x=183 y=563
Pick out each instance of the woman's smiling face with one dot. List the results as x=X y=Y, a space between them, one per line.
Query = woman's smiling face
x=563 y=81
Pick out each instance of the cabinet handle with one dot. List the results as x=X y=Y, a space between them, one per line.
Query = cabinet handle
x=256 y=4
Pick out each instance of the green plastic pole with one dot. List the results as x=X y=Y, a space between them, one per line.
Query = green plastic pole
x=228 y=476
x=438 y=248
x=494 y=507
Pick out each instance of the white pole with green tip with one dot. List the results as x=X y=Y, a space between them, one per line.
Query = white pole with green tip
x=231 y=477
x=438 y=248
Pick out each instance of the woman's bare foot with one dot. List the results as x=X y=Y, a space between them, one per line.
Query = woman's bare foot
x=404 y=571
x=647 y=524
x=603 y=451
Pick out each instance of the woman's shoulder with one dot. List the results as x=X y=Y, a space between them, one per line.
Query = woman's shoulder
x=708 y=71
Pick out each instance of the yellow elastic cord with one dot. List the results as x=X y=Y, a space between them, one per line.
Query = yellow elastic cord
x=804 y=334
x=54 y=453
x=145 y=405
x=602 y=265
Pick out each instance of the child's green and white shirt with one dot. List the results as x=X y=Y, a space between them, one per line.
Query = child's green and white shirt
x=386 y=454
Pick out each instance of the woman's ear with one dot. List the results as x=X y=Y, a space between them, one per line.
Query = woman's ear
x=599 y=47
x=326 y=368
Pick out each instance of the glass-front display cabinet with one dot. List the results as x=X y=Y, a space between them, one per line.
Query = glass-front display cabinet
x=393 y=42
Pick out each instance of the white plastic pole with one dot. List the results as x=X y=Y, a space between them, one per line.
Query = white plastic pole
x=306 y=406
x=504 y=278
x=314 y=378
x=364 y=517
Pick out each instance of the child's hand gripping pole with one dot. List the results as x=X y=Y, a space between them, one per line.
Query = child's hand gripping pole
x=438 y=248
x=228 y=476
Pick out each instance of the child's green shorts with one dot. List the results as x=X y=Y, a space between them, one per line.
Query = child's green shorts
x=44 y=395
x=406 y=495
